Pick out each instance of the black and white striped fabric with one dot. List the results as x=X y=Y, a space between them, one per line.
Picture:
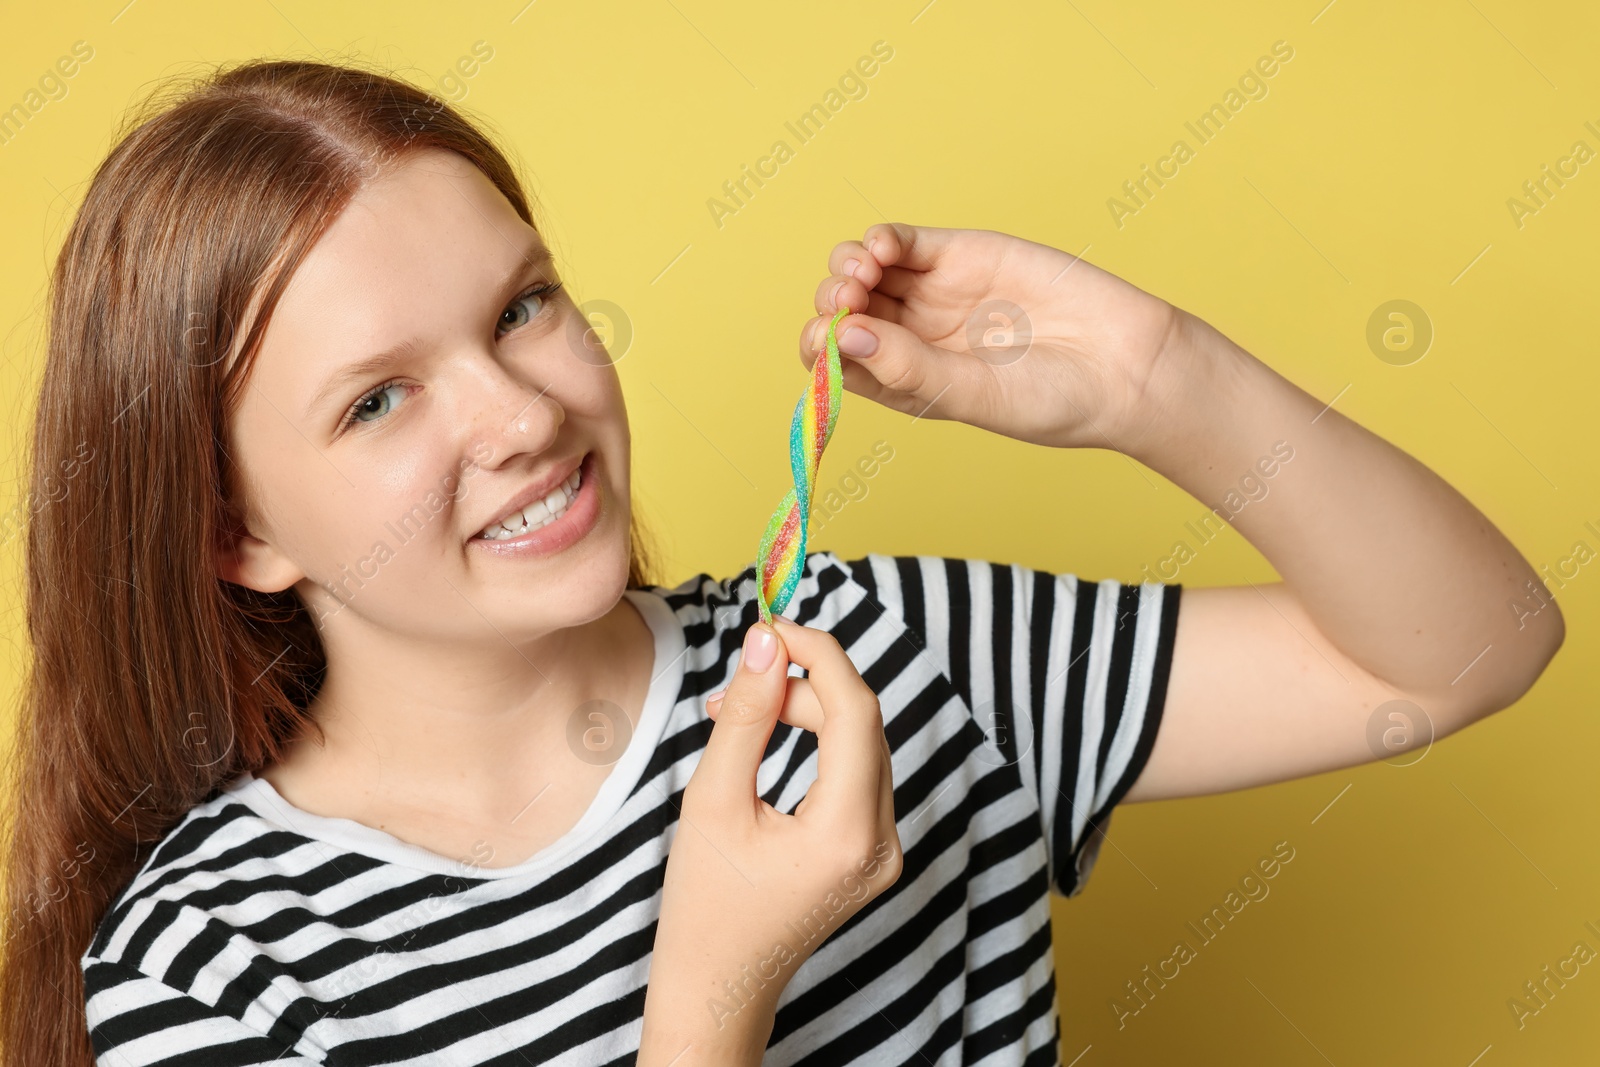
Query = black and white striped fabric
x=1019 y=706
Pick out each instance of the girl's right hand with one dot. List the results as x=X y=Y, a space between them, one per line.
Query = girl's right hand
x=751 y=892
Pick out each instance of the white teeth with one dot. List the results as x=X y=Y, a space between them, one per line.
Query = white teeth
x=537 y=514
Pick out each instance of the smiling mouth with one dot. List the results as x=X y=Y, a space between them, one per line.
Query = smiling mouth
x=536 y=515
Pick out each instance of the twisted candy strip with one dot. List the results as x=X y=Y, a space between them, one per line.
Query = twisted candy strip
x=783 y=547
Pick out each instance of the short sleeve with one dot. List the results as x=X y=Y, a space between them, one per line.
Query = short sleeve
x=137 y=1021
x=1067 y=677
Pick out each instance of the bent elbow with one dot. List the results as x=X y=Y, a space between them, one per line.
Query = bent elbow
x=1535 y=651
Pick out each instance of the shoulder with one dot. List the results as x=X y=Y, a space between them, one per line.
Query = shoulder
x=216 y=857
x=994 y=628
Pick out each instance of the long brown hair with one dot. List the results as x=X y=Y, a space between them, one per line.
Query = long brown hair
x=153 y=681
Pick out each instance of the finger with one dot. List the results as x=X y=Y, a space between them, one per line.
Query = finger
x=800 y=706
x=905 y=364
x=814 y=334
x=849 y=738
x=726 y=775
x=899 y=282
x=837 y=291
x=863 y=384
x=913 y=247
x=859 y=380
x=852 y=260
x=803 y=709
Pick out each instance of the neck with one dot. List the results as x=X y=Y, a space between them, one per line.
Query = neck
x=472 y=734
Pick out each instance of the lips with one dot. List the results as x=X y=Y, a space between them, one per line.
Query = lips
x=537 y=506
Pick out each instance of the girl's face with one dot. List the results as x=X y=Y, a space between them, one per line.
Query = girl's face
x=420 y=382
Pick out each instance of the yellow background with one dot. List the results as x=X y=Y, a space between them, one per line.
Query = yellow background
x=1377 y=168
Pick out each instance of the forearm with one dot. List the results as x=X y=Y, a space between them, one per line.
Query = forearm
x=1395 y=566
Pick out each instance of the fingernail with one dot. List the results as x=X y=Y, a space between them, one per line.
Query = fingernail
x=833 y=294
x=857 y=342
x=760 y=648
x=716 y=698
x=850 y=266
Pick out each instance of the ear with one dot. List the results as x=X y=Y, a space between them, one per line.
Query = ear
x=246 y=560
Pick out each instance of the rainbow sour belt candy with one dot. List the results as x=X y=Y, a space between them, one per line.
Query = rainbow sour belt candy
x=783 y=547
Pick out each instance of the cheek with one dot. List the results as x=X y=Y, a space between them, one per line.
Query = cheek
x=329 y=512
x=409 y=490
x=595 y=393
x=594 y=399
x=278 y=472
x=605 y=429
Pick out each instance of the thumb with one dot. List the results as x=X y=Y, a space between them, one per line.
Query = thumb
x=902 y=371
x=748 y=712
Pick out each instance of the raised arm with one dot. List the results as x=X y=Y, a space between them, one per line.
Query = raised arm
x=1395 y=588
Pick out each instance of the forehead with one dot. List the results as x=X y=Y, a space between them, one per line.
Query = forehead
x=427 y=231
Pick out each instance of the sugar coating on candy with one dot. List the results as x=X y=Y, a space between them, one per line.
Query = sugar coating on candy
x=783 y=546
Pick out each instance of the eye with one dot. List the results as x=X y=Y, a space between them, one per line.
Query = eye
x=372 y=405
x=515 y=316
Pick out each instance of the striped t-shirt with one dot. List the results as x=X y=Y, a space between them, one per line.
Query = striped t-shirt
x=1019 y=707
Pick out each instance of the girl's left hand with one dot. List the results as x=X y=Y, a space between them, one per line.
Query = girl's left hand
x=1002 y=333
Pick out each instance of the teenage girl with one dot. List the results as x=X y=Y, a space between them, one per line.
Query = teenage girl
x=356 y=732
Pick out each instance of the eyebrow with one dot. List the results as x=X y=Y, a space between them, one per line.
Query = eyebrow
x=537 y=255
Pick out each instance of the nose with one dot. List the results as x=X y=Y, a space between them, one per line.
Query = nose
x=506 y=413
